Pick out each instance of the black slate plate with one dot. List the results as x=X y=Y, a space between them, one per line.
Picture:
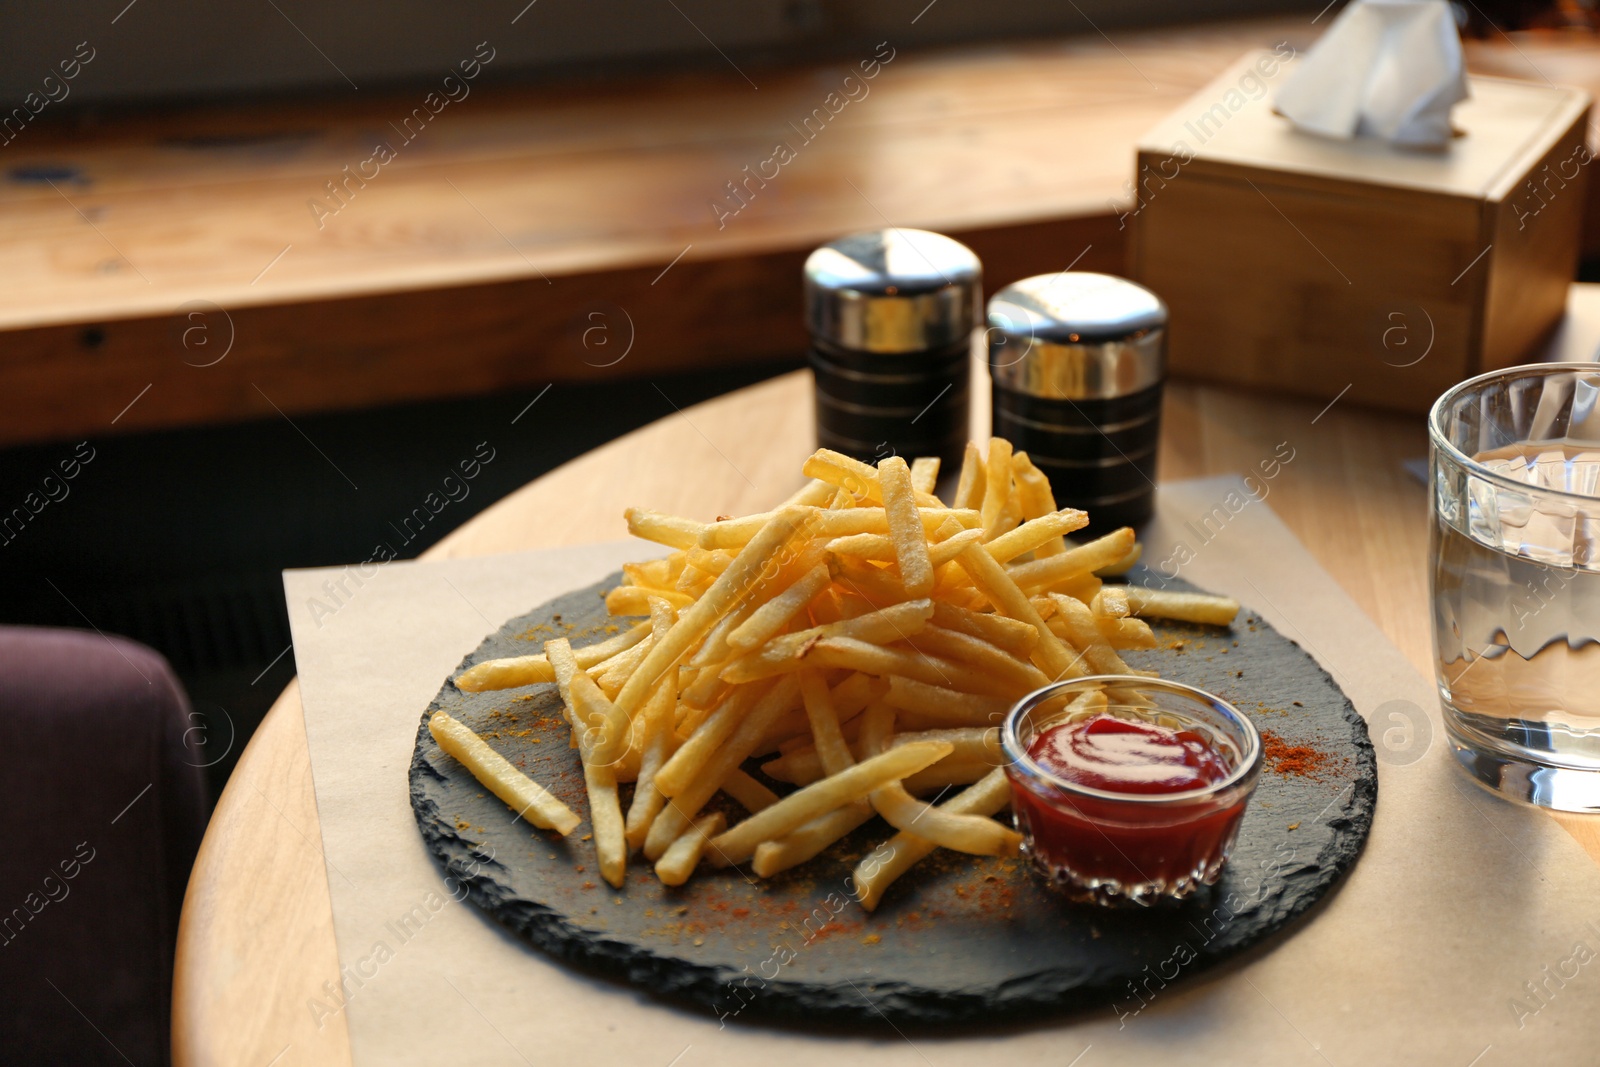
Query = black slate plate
x=957 y=939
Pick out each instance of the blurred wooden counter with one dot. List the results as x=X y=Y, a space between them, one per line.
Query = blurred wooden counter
x=172 y=269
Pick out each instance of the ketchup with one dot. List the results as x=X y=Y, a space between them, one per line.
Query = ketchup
x=1129 y=756
x=1102 y=847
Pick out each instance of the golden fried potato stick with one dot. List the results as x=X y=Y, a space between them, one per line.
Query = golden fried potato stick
x=1037 y=500
x=751 y=794
x=737 y=844
x=652 y=573
x=1015 y=637
x=669 y=530
x=605 y=817
x=1050 y=655
x=1083 y=632
x=905 y=527
x=1128 y=633
x=804 y=842
x=1185 y=607
x=879 y=869
x=603 y=731
x=787 y=652
x=747 y=573
x=680 y=859
x=655 y=728
x=530 y=800
x=964 y=648
x=997 y=487
x=861 y=479
x=711 y=733
x=1046 y=574
x=945 y=705
x=814 y=494
x=833 y=753
x=517 y=671
x=973 y=744
x=732 y=534
x=1111 y=602
x=884 y=661
x=1036 y=533
x=970 y=489
x=925 y=474
x=1123 y=565
x=770 y=618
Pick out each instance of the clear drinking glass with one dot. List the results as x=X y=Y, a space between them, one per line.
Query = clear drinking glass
x=1515 y=471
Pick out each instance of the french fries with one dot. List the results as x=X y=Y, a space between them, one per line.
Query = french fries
x=529 y=799
x=863 y=640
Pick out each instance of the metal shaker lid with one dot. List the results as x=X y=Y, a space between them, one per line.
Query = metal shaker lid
x=893 y=290
x=1076 y=335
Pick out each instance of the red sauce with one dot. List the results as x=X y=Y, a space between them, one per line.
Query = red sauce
x=1084 y=840
x=1128 y=756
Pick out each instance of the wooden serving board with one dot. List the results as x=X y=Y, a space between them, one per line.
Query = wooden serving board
x=958 y=939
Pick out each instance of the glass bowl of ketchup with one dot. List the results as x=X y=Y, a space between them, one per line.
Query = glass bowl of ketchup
x=1128 y=789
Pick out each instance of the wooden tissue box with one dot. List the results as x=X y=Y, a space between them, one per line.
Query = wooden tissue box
x=1324 y=267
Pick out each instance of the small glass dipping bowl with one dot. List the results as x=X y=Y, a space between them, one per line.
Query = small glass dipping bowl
x=1108 y=847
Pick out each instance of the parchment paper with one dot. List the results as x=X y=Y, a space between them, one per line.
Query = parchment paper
x=1467 y=933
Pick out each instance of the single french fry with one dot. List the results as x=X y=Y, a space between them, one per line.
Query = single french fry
x=884 y=661
x=692 y=755
x=945 y=551
x=945 y=705
x=946 y=773
x=971 y=744
x=804 y=842
x=977 y=835
x=1083 y=632
x=614 y=672
x=970 y=487
x=1046 y=574
x=788 y=652
x=1185 y=607
x=738 y=843
x=997 y=486
x=746 y=573
x=669 y=530
x=873 y=546
x=1036 y=533
x=964 y=648
x=878 y=585
x=651 y=574
x=1123 y=565
x=530 y=800
x=751 y=794
x=1015 y=637
x=1129 y=633
x=1037 y=500
x=680 y=859
x=813 y=494
x=833 y=753
x=605 y=820
x=925 y=474
x=1111 y=602
x=655 y=729
x=879 y=869
x=517 y=671
x=861 y=479
x=905 y=526
x=603 y=730
x=770 y=618
x=1050 y=655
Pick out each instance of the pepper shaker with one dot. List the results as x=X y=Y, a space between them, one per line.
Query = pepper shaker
x=891 y=314
x=1077 y=361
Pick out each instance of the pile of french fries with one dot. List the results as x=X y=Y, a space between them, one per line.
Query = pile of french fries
x=864 y=640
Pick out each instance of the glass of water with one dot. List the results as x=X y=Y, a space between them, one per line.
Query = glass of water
x=1515 y=473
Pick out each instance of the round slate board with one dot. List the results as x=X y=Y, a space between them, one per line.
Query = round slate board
x=957 y=939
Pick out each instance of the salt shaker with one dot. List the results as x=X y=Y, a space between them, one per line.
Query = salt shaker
x=1077 y=361
x=891 y=314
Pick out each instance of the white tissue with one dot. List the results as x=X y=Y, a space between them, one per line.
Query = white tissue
x=1389 y=69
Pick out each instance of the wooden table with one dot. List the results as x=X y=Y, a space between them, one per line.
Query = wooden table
x=256 y=940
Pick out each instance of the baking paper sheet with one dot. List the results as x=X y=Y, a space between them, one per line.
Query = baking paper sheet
x=1468 y=933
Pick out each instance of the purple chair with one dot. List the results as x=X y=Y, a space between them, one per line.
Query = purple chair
x=103 y=810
